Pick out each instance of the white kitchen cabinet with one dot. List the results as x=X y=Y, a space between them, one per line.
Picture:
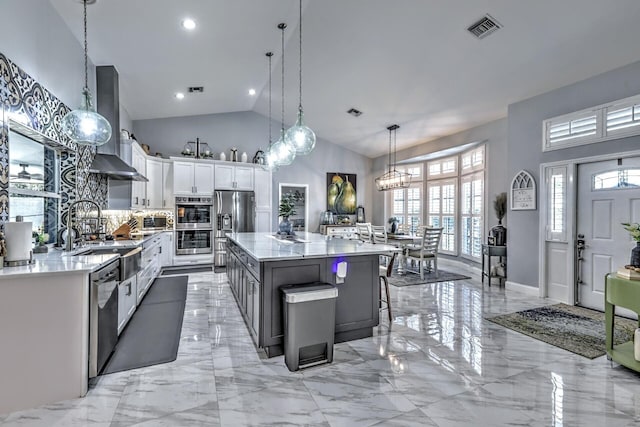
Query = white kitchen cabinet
x=234 y=177
x=192 y=177
x=154 y=197
x=168 y=201
x=138 y=188
x=262 y=190
x=166 y=251
x=160 y=185
x=263 y=221
x=127 y=295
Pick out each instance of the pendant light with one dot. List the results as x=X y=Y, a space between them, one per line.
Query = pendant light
x=270 y=163
x=284 y=152
x=84 y=126
x=299 y=135
x=393 y=179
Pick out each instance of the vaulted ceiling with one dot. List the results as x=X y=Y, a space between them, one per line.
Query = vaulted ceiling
x=410 y=62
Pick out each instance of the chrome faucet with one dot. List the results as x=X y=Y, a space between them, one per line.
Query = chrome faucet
x=69 y=242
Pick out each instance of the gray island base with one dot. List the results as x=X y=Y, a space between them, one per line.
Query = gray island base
x=258 y=264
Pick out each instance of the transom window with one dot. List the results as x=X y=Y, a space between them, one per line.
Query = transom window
x=616 y=179
x=600 y=123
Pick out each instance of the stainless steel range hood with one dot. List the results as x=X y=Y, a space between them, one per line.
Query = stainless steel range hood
x=107 y=160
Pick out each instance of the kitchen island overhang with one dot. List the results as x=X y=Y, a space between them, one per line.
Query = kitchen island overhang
x=260 y=263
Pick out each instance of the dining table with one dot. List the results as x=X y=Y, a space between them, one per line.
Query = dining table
x=403 y=241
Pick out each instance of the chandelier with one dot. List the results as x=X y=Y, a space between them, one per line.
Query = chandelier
x=83 y=125
x=393 y=179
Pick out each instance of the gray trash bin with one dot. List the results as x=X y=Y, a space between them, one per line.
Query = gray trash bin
x=309 y=324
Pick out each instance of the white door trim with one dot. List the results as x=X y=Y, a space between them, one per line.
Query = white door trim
x=572 y=200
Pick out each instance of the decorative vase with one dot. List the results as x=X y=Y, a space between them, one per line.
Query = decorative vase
x=223 y=157
x=394 y=227
x=243 y=157
x=285 y=227
x=499 y=234
x=635 y=256
x=41 y=249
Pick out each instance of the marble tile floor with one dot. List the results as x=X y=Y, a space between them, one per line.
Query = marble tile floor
x=439 y=364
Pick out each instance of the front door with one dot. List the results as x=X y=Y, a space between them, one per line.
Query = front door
x=608 y=195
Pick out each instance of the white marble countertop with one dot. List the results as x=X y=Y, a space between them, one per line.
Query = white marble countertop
x=57 y=261
x=266 y=247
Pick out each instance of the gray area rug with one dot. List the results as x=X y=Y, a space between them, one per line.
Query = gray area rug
x=153 y=333
x=576 y=329
x=410 y=279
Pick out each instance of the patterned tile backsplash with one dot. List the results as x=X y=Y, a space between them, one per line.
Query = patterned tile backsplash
x=24 y=99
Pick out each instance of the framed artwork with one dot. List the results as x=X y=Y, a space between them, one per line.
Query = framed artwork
x=341 y=193
x=523 y=192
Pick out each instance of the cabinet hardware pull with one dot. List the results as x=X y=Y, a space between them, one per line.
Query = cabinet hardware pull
x=129 y=287
x=136 y=200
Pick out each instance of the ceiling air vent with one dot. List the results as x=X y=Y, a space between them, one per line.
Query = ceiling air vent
x=354 y=112
x=484 y=27
x=196 y=89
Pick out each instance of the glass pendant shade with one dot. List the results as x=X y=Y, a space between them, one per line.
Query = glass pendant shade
x=301 y=136
x=270 y=160
x=285 y=153
x=86 y=127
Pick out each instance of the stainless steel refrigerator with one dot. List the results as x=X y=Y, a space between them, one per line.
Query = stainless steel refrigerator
x=235 y=212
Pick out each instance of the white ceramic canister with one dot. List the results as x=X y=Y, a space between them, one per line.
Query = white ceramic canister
x=223 y=156
x=243 y=157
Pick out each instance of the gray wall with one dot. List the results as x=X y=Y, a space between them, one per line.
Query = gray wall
x=525 y=151
x=495 y=136
x=248 y=131
x=36 y=38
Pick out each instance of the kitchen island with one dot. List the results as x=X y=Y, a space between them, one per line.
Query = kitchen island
x=259 y=264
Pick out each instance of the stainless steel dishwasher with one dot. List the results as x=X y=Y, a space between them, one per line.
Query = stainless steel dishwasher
x=103 y=315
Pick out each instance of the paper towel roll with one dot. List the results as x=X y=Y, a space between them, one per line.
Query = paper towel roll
x=18 y=239
x=636 y=345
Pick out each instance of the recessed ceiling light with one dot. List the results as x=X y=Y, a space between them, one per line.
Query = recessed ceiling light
x=179 y=95
x=252 y=92
x=188 y=24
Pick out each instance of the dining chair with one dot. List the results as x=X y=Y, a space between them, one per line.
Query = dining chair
x=383 y=278
x=428 y=249
x=379 y=234
x=364 y=231
x=404 y=229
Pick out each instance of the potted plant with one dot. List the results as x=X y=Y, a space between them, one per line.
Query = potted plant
x=634 y=230
x=499 y=232
x=285 y=210
x=394 y=224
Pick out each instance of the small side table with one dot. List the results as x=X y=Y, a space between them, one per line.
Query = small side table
x=622 y=293
x=493 y=251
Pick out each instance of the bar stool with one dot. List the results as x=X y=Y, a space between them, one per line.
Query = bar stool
x=385 y=273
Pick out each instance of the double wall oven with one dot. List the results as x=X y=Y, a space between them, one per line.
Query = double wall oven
x=194 y=225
